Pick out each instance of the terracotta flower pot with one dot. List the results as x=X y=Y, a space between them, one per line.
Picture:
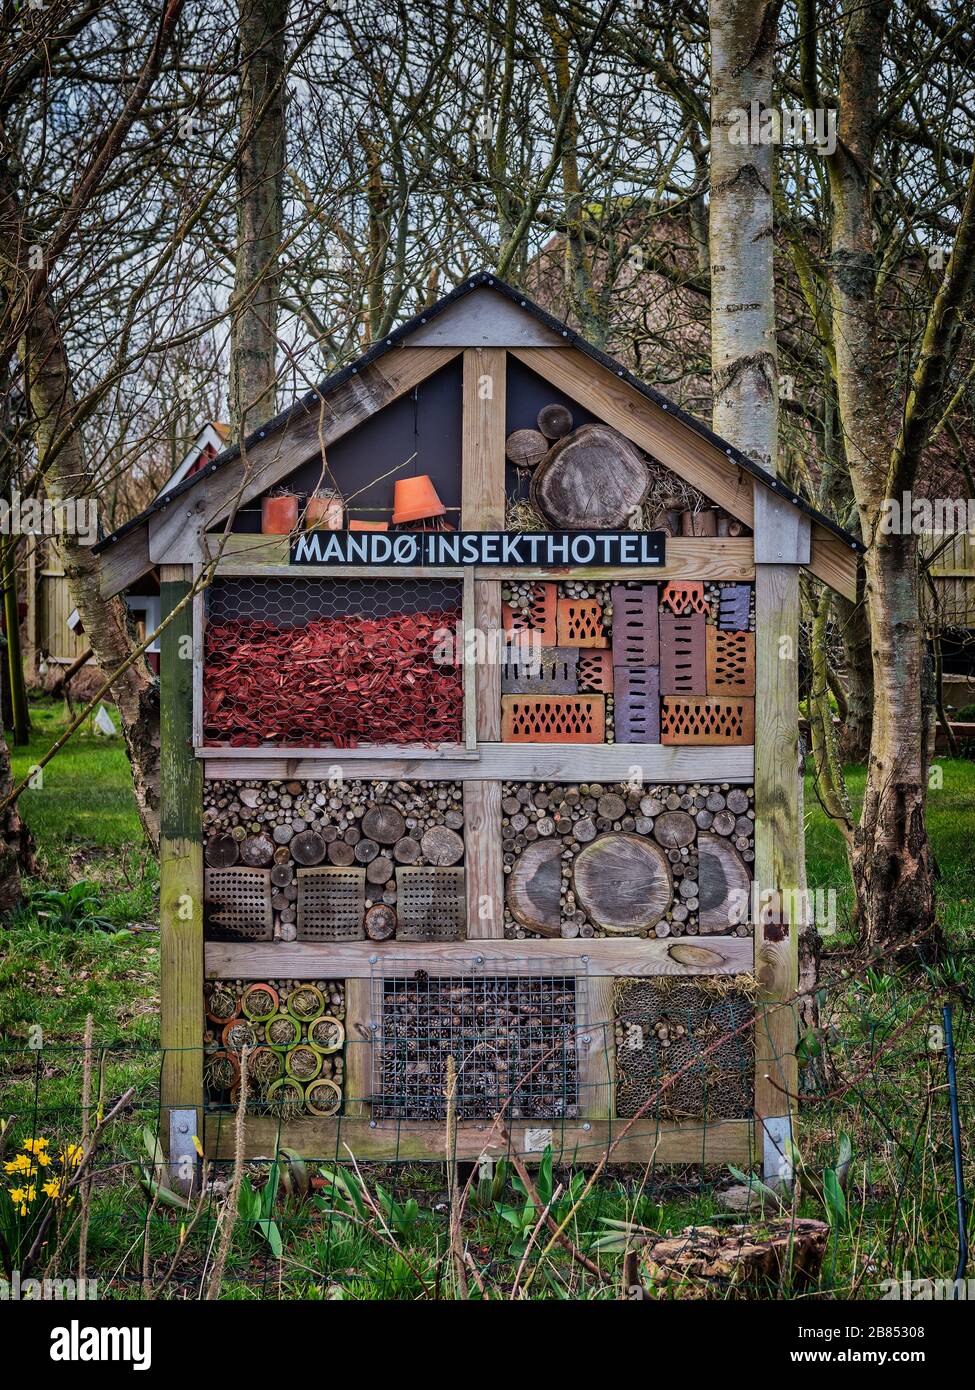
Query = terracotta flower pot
x=325 y=511
x=368 y=525
x=415 y=499
x=279 y=515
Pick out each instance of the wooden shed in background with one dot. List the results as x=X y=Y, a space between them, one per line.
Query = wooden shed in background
x=537 y=855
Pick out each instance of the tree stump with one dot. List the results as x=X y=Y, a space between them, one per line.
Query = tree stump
x=592 y=479
x=704 y=1260
x=623 y=882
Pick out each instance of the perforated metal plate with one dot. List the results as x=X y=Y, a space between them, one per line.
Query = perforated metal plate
x=331 y=904
x=238 y=904
x=431 y=904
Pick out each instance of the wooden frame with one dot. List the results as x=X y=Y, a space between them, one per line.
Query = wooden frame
x=784 y=540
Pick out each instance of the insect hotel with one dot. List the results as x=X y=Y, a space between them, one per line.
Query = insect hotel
x=479 y=741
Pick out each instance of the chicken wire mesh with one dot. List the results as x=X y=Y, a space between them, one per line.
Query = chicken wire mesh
x=311 y=662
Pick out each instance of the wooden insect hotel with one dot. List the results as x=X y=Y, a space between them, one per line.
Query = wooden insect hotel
x=479 y=740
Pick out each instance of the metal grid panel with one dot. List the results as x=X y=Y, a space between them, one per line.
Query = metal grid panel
x=331 y=904
x=513 y=1039
x=294 y=602
x=238 y=904
x=431 y=904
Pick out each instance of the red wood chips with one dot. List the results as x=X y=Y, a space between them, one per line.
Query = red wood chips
x=337 y=681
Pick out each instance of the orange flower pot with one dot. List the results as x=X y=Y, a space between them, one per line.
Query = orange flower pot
x=325 y=512
x=368 y=525
x=415 y=499
x=279 y=515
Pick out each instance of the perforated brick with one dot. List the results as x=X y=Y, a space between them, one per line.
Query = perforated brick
x=636 y=712
x=553 y=719
x=684 y=597
x=733 y=607
x=238 y=904
x=635 y=628
x=554 y=672
x=431 y=904
x=580 y=623
x=595 y=672
x=730 y=662
x=709 y=720
x=683 y=666
x=540 y=617
x=331 y=904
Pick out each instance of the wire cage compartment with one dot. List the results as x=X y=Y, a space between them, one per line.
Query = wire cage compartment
x=314 y=662
x=513 y=1038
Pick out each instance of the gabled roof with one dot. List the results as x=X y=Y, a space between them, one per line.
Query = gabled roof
x=210 y=441
x=416 y=328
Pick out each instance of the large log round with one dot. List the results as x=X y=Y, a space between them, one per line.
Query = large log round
x=622 y=882
x=724 y=883
x=534 y=887
x=592 y=479
x=384 y=824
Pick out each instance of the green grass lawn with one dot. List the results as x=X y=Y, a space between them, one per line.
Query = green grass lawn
x=900 y=1210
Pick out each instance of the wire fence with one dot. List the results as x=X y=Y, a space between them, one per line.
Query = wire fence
x=515 y=1106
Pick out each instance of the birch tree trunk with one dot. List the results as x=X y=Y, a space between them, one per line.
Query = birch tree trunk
x=260 y=182
x=744 y=358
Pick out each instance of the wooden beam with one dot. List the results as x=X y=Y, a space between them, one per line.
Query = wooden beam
x=180 y=863
x=124 y=562
x=484 y=871
x=718 y=1144
x=715 y=558
x=483 y=436
x=597 y=1062
x=358 y=1047
x=701 y=955
x=777 y=847
x=782 y=531
x=672 y=443
x=526 y=762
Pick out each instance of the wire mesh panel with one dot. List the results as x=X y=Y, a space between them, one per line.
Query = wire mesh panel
x=316 y=662
x=512 y=1038
x=238 y=904
x=331 y=904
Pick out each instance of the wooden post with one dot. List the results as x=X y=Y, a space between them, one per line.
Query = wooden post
x=180 y=863
x=482 y=508
x=777 y=859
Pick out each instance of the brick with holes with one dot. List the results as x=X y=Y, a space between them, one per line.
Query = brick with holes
x=636 y=712
x=683 y=666
x=635 y=628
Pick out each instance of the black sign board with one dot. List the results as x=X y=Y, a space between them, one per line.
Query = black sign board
x=433 y=549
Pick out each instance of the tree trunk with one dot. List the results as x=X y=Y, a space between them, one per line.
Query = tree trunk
x=744 y=357
x=16 y=846
x=260 y=182
x=854 y=624
x=892 y=867
x=106 y=621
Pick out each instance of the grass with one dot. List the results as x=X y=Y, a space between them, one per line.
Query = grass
x=900 y=1204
